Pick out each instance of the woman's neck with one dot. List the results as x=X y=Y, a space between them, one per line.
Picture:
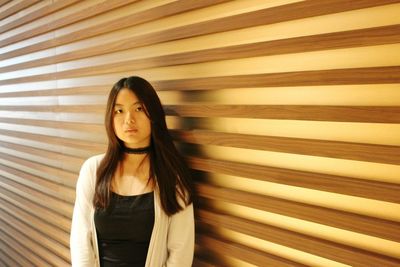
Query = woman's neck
x=132 y=176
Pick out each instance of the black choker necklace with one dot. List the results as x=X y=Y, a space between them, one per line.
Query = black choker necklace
x=141 y=150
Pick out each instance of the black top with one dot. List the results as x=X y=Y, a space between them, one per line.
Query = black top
x=124 y=230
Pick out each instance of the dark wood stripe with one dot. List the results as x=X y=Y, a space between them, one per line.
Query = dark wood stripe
x=36 y=247
x=324 y=148
x=260 y=17
x=373 y=114
x=324 y=248
x=340 y=219
x=62 y=177
x=56 y=250
x=15 y=8
x=372 y=75
x=44 y=11
x=21 y=250
x=324 y=182
x=57 y=109
x=3 y=2
x=21 y=202
x=290 y=112
x=56 y=160
x=67 y=20
x=39 y=184
x=249 y=255
x=45 y=142
x=55 y=205
x=347 y=39
x=152 y=14
x=82 y=127
x=37 y=222
x=84 y=90
x=9 y=257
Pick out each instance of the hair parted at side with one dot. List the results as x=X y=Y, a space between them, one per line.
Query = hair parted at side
x=167 y=167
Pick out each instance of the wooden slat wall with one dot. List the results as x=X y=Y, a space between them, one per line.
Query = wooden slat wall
x=288 y=112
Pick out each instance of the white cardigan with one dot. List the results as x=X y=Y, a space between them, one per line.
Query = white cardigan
x=172 y=239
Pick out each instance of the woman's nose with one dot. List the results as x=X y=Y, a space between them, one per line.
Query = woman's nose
x=129 y=118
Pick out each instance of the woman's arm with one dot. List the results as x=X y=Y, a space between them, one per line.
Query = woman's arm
x=81 y=234
x=180 y=241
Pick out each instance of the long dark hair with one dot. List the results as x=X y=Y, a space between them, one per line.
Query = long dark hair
x=167 y=167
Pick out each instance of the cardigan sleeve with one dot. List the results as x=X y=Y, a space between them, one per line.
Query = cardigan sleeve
x=82 y=253
x=180 y=241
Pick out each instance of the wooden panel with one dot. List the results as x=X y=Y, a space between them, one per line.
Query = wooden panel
x=142 y=17
x=344 y=150
x=367 y=225
x=23 y=251
x=316 y=246
x=49 y=244
x=322 y=113
x=354 y=38
x=44 y=11
x=83 y=14
x=55 y=233
x=19 y=5
x=26 y=205
x=246 y=85
x=34 y=247
x=343 y=185
x=375 y=75
x=252 y=256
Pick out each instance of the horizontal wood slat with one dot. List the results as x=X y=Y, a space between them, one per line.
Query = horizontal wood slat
x=316 y=246
x=240 y=21
x=38 y=223
x=39 y=184
x=62 y=177
x=11 y=259
x=84 y=90
x=292 y=112
x=67 y=146
x=17 y=7
x=374 y=114
x=323 y=148
x=81 y=15
x=45 y=157
x=373 y=75
x=44 y=11
x=249 y=255
x=85 y=127
x=37 y=197
x=354 y=38
x=325 y=182
x=35 y=247
x=141 y=17
x=23 y=251
x=3 y=2
x=340 y=219
x=25 y=204
x=55 y=248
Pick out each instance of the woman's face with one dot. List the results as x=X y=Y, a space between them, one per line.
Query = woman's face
x=131 y=124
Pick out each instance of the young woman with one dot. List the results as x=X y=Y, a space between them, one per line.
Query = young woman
x=134 y=203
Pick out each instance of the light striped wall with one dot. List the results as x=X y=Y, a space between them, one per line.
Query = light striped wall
x=288 y=112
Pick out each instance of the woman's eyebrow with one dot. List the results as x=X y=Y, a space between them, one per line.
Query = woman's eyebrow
x=138 y=102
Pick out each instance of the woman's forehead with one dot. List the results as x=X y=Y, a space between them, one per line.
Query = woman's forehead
x=126 y=96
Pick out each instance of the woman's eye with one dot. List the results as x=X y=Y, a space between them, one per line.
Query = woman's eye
x=139 y=109
x=118 y=111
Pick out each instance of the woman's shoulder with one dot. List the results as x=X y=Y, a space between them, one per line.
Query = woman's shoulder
x=87 y=174
x=95 y=159
x=91 y=164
